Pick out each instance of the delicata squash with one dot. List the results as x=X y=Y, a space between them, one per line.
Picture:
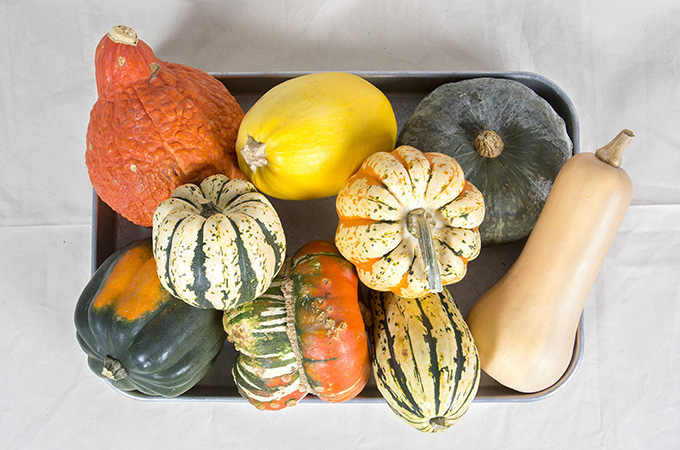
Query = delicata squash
x=409 y=221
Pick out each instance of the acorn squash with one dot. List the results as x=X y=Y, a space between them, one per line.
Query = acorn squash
x=139 y=337
x=304 y=137
x=508 y=140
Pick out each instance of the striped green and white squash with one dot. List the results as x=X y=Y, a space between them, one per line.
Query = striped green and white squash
x=305 y=335
x=426 y=364
x=265 y=370
x=217 y=245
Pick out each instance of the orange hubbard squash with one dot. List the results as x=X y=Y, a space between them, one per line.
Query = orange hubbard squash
x=155 y=126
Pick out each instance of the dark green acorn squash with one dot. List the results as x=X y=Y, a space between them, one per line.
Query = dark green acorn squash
x=508 y=140
x=138 y=336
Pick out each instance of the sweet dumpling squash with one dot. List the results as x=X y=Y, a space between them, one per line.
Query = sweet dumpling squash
x=408 y=221
x=218 y=244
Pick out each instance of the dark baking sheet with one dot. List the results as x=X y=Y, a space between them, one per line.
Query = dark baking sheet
x=317 y=219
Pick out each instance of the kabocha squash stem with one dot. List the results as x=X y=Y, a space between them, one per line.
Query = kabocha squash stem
x=489 y=144
x=419 y=224
x=525 y=325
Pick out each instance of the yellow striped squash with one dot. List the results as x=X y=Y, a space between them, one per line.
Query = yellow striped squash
x=217 y=245
x=426 y=364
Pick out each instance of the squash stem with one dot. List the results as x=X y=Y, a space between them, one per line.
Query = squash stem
x=123 y=35
x=612 y=152
x=438 y=423
x=209 y=209
x=419 y=224
x=113 y=369
x=253 y=153
x=489 y=144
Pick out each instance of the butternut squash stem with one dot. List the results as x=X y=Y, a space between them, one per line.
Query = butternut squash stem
x=613 y=151
x=419 y=224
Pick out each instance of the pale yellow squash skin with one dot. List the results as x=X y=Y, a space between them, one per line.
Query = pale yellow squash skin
x=525 y=325
x=316 y=129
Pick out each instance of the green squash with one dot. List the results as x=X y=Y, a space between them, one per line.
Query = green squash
x=509 y=141
x=139 y=337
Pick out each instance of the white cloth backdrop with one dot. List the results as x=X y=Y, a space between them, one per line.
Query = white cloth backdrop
x=619 y=63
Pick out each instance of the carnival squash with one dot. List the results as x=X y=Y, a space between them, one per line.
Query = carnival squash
x=426 y=364
x=306 y=334
x=219 y=244
x=303 y=138
x=155 y=126
x=525 y=325
x=509 y=141
x=408 y=221
x=136 y=335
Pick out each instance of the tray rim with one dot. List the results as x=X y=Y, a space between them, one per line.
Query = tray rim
x=573 y=128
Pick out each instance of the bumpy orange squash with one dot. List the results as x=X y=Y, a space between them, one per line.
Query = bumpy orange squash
x=155 y=126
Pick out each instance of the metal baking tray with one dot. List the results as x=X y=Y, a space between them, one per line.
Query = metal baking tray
x=317 y=219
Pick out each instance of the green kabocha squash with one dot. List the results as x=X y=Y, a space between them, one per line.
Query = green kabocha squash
x=305 y=335
x=509 y=141
x=425 y=361
x=138 y=336
x=219 y=244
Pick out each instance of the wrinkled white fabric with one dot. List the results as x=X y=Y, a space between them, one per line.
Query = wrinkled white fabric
x=616 y=60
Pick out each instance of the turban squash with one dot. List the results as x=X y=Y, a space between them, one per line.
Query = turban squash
x=408 y=221
x=155 y=126
x=138 y=336
x=218 y=244
x=306 y=334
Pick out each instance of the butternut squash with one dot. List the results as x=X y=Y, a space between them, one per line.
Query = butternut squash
x=525 y=325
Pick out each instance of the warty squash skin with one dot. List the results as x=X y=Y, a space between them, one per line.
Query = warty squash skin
x=218 y=244
x=525 y=325
x=409 y=221
x=425 y=362
x=305 y=335
x=303 y=138
x=136 y=335
x=155 y=126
